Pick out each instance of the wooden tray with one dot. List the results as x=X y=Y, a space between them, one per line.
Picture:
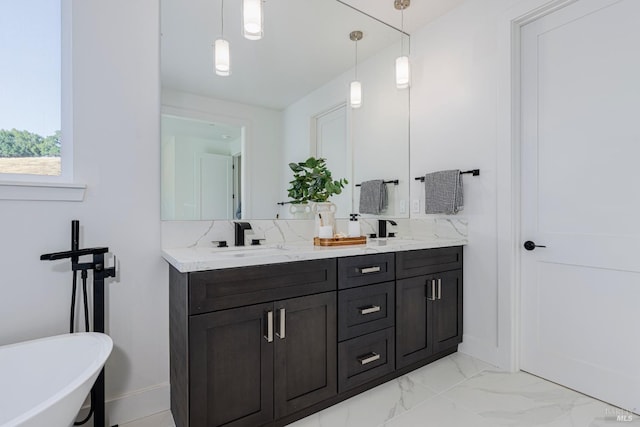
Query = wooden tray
x=340 y=241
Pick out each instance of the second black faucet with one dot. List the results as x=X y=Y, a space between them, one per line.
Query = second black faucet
x=240 y=228
x=382 y=226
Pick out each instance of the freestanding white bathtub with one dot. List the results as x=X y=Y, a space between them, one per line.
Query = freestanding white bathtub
x=44 y=382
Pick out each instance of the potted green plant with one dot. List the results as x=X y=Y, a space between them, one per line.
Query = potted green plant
x=312 y=182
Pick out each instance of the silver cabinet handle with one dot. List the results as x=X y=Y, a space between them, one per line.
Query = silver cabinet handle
x=433 y=291
x=281 y=332
x=368 y=270
x=370 y=309
x=368 y=358
x=269 y=336
x=439 y=288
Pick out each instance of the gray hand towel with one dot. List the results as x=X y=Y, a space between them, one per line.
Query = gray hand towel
x=373 y=197
x=443 y=192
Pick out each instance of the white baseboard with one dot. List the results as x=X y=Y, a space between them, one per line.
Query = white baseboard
x=162 y=419
x=480 y=350
x=134 y=405
x=139 y=404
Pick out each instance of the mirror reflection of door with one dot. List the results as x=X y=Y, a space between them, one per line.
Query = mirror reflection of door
x=200 y=180
x=237 y=185
x=214 y=185
x=330 y=141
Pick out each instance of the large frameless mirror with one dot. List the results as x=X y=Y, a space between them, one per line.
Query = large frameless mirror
x=227 y=141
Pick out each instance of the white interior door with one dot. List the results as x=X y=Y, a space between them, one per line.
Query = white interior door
x=331 y=143
x=214 y=186
x=581 y=197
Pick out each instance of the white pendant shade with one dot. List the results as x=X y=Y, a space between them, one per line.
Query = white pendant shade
x=356 y=94
x=252 y=28
x=222 y=57
x=402 y=72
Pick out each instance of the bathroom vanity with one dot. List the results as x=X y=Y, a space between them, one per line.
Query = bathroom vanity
x=269 y=342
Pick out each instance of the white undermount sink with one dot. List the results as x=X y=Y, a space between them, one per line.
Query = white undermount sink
x=248 y=251
x=389 y=241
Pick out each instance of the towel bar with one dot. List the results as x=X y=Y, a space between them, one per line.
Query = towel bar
x=474 y=172
x=394 y=182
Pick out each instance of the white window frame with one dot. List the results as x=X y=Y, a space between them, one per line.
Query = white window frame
x=62 y=187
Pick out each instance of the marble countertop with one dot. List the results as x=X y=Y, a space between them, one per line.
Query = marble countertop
x=192 y=259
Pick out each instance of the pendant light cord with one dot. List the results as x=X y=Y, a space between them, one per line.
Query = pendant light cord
x=402 y=31
x=222 y=18
x=356 y=59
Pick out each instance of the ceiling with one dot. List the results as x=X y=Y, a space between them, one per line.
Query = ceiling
x=417 y=15
x=306 y=44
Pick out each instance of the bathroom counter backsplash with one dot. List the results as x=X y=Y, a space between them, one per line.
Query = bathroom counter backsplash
x=191 y=245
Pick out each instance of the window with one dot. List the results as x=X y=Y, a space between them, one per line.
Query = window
x=32 y=47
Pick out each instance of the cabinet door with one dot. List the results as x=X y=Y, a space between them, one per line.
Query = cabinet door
x=231 y=370
x=447 y=313
x=305 y=343
x=413 y=320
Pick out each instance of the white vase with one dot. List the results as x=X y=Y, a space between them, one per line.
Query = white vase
x=300 y=210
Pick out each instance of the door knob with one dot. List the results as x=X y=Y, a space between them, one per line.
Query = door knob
x=529 y=245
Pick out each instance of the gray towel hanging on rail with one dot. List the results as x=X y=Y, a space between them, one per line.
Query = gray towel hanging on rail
x=373 y=197
x=443 y=192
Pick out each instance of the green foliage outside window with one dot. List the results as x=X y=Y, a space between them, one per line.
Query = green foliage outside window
x=22 y=143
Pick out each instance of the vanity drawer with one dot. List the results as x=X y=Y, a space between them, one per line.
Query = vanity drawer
x=234 y=287
x=365 y=309
x=365 y=269
x=365 y=358
x=428 y=261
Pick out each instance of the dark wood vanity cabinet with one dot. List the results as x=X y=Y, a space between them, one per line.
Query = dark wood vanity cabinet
x=266 y=345
x=428 y=306
x=252 y=364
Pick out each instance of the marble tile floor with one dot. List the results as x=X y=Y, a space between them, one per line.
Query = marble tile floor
x=457 y=391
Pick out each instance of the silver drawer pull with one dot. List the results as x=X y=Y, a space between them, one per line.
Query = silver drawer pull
x=281 y=332
x=370 y=309
x=269 y=336
x=368 y=358
x=433 y=291
x=367 y=270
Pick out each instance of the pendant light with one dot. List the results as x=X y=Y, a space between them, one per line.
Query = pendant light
x=221 y=51
x=402 y=62
x=252 y=19
x=355 y=89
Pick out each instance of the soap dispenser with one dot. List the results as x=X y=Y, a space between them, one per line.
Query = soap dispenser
x=354 y=225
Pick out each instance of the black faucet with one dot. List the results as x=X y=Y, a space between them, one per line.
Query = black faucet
x=240 y=228
x=100 y=273
x=382 y=226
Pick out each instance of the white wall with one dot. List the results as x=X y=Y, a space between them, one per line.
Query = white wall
x=454 y=125
x=116 y=144
x=263 y=139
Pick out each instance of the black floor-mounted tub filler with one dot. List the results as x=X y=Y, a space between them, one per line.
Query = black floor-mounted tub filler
x=100 y=273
